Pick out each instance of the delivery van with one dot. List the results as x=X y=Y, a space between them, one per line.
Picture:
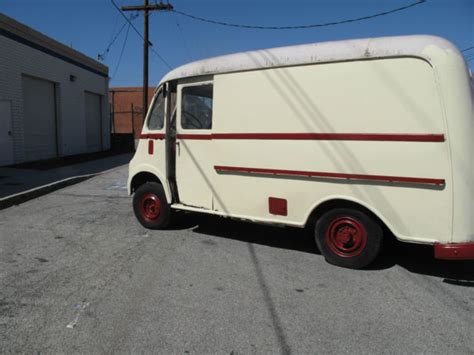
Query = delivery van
x=350 y=138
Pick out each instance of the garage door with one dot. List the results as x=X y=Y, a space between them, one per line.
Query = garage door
x=39 y=109
x=93 y=122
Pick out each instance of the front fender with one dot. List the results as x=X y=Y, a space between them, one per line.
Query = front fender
x=148 y=168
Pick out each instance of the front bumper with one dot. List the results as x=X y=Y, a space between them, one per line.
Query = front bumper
x=454 y=251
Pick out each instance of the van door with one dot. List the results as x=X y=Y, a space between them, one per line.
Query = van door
x=194 y=169
x=154 y=132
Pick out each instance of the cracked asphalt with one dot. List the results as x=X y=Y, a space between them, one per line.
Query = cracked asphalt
x=79 y=274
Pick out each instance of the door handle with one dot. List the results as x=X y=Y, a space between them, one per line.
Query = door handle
x=10 y=133
x=178 y=146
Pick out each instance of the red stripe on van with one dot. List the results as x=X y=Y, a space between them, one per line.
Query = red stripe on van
x=195 y=136
x=383 y=178
x=335 y=136
x=152 y=136
x=387 y=137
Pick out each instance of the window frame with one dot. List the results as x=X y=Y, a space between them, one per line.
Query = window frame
x=179 y=103
x=158 y=92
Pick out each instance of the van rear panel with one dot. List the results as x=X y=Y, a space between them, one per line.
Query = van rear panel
x=456 y=92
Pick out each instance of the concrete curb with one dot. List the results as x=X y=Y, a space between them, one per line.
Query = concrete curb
x=24 y=196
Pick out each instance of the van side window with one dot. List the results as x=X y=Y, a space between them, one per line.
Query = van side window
x=196 y=107
x=157 y=117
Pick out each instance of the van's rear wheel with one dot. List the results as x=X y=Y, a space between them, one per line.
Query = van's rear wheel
x=348 y=237
x=150 y=206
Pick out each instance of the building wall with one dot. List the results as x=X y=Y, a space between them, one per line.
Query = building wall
x=18 y=59
x=121 y=100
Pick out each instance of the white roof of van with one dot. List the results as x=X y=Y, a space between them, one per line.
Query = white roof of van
x=311 y=53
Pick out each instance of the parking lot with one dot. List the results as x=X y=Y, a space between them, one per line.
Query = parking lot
x=79 y=274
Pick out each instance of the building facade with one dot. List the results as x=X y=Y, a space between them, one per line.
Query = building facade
x=53 y=99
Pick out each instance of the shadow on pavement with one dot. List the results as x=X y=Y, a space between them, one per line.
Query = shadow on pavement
x=419 y=259
x=412 y=257
x=276 y=237
x=23 y=177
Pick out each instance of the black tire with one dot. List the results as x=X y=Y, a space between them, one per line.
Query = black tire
x=348 y=237
x=151 y=207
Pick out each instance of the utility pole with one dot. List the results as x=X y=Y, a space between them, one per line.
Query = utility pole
x=146 y=8
x=132 y=110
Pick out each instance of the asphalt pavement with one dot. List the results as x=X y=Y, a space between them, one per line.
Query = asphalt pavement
x=79 y=274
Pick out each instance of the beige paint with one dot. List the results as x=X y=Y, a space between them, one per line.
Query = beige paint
x=194 y=168
x=407 y=95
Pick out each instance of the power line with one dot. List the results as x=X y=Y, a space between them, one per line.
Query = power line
x=115 y=27
x=467 y=49
x=183 y=38
x=141 y=36
x=202 y=19
x=160 y=57
x=121 y=52
x=131 y=24
x=102 y=56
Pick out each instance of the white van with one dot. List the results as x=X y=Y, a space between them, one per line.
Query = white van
x=350 y=137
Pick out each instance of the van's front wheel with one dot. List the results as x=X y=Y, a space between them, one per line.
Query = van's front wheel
x=348 y=237
x=150 y=206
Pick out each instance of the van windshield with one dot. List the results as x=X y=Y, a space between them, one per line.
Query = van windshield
x=157 y=116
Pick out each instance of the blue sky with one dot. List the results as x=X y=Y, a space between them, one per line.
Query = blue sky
x=89 y=25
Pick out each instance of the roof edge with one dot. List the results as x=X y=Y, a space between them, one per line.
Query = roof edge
x=332 y=51
x=21 y=30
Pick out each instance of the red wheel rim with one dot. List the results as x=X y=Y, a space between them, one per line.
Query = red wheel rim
x=150 y=206
x=346 y=237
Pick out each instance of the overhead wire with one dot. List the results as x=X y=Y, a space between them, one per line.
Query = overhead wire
x=126 y=18
x=161 y=58
x=115 y=27
x=153 y=50
x=121 y=52
x=114 y=38
x=258 y=27
x=141 y=36
x=183 y=38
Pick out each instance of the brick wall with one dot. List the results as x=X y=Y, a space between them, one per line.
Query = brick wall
x=121 y=100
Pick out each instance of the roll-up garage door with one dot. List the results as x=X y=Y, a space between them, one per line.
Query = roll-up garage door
x=93 y=122
x=39 y=113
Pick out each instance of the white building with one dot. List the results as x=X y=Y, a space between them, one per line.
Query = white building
x=53 y=99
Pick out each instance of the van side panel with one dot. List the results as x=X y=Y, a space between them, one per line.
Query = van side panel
x=386 y=96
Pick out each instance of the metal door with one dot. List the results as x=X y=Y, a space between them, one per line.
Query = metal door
x=93 y=114
x=39 y=118
x=6 y=141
